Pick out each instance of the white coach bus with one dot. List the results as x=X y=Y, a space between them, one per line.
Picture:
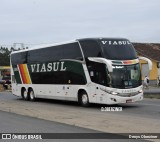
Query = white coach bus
x=90 y=70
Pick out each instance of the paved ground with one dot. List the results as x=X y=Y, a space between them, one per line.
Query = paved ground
x=138 y=117
x=13 y=123
x=152 y=90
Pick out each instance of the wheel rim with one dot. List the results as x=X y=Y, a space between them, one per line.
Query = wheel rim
x=25 y=94
x=32 y=95
x=84 y=99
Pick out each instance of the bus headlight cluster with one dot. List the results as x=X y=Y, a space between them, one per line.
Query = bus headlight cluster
x=112 y=92
x=109 y=92
x=140 y=91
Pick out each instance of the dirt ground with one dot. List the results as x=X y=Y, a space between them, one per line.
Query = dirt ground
x=1 y=88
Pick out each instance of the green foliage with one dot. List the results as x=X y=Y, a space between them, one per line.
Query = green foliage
x=5 y=56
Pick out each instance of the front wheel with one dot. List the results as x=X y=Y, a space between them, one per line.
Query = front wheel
x=84 y=100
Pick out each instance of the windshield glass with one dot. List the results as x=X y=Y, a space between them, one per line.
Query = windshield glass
x=127 y=76
x=118 y=49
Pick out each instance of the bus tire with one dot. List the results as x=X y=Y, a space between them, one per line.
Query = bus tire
x=24 y=94
x=31 y=95
x=83 y=99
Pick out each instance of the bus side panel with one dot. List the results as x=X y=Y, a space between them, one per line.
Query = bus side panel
x=43 y=90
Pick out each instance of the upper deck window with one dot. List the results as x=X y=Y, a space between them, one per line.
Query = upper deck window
x=91 y=48
x=19 y=58
x=55 y=53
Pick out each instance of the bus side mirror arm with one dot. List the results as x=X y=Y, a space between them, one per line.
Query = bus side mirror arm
x=102 y=60
x=148 y=61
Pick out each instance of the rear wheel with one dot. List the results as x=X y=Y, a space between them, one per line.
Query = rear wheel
x=83 y=99
x=31 y=95
x=24 y=94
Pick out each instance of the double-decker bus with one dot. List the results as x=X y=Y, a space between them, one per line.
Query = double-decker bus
x=90 y=70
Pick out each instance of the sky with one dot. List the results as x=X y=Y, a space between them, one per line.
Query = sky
x=34 y=22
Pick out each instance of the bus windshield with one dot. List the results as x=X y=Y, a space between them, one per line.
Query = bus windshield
x=119 y=50
x=127 y=76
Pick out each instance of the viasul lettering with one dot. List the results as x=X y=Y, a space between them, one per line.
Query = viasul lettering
x=48 y=67
x=123 y=42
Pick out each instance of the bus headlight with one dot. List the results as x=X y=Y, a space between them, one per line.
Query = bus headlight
x=140 y=91
x=114 y=93
x=110 y=92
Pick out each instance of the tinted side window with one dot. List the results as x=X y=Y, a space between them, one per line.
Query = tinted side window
x=19 y=58
x=98 y=73
x=72 y=51
x=45 y=54
x=73 y=74
x=91 y=48
x=58 y=78
x=55 y=53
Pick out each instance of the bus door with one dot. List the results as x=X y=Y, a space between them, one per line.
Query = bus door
x=98 y=76
x=100 y=87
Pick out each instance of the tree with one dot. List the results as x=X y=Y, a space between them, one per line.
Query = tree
x=5 y=56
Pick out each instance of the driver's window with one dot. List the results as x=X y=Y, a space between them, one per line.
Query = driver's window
x=97 y=72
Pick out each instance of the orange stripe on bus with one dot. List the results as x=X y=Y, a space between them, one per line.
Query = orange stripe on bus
x=24 y=74
x=28 y=81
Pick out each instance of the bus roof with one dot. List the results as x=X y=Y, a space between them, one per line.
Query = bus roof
x=66 y=42
x=44 y=46
x=100 y=38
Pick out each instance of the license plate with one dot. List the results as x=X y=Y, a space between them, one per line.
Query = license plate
x=129 y=101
